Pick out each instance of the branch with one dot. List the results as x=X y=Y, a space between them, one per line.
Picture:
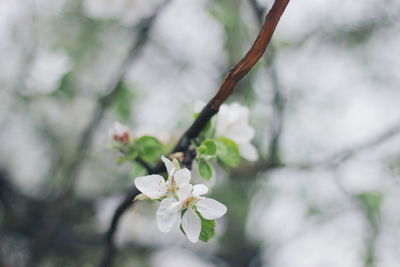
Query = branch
x=109 y=249
x=332 y=161
x=344 y=155
x=234 y=76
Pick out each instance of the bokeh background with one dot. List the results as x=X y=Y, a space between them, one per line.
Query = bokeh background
x=324 y=100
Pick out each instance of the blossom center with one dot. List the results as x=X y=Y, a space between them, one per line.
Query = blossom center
x=189 y=202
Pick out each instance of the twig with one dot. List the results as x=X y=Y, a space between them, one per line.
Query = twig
x=342 y=156
x=332 y=161
x=234 y=76
x=109 y=248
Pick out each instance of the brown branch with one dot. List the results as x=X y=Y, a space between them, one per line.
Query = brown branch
x=234 y=76
x=252 y=56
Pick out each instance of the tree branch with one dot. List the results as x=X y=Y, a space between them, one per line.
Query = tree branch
x=332 y=161
x=234 y=76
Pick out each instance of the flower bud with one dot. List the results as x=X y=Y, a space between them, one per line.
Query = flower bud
x=120 y=133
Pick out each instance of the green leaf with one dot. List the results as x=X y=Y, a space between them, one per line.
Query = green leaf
x=207 y=147
x=371 y=201
x=150 y=149
x=228 y=152
x=207 y=229
x=205 y=169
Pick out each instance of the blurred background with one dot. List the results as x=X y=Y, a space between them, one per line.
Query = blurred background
x=324 y=100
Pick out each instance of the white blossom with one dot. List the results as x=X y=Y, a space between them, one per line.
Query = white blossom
x=178 y=196
x=154 y=186
x=233 y=123
x=191 y=200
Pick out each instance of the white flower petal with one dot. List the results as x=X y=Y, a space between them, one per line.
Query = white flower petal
x=168 y=165
x=152 y=186
x=210 y=209
x=184 y=192
x=248 y=151
x=182 y=177
x=199 y=189
x=233 y=123
x=241 y=133
x=191 y=224
x=167 y=214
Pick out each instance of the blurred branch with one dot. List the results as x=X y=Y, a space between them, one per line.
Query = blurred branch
x=85 y=141
x=332 y=161
x=234 y=76
x=371 y=221
x=105 y=101
x=278 y=101
x=344 y=155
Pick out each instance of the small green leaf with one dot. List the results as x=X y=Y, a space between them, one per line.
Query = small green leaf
x=207 y=147
x=200 y=149
x=132 y=154
x=207 y=229
x=150 y=149
x=205 y=169
x=228 y=152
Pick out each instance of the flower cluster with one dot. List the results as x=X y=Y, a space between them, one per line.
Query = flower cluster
x=181 y=202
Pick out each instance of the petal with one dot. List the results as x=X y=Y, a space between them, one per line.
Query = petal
x=167 y=214
x=168 y=165
x=233 y=123
x=152 y=186
x=182 y=177
x=199 y=189
x=191 y=224
x=241 y=133
x=248 y=151
x=184 y=192
x=210 y=209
